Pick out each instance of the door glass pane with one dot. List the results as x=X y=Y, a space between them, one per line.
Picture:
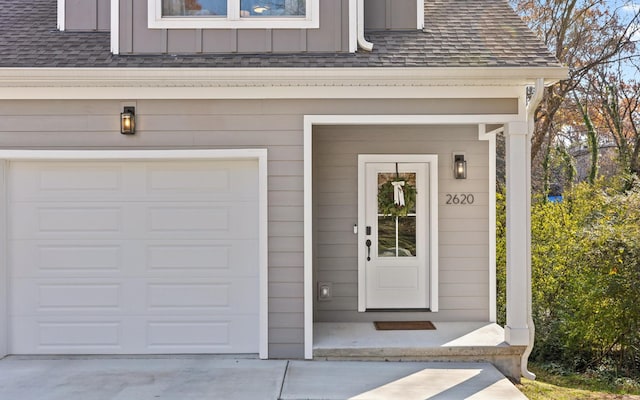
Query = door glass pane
x=206 y=8
x=407 y=236
x=385 y=194
x=272 y=8
x=397 y=236
x=396 y=223
x=386 y=237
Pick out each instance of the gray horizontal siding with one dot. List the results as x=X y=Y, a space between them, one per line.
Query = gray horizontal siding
x=277 y=126
x=188 y=108
x=137 y=38
x=87 y=15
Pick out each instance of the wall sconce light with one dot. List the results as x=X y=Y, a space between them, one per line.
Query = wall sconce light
x=128 y=121
x=459 y=166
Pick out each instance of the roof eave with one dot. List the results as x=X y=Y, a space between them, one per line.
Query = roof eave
x=119 y=81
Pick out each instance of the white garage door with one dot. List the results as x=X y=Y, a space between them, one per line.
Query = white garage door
x=133 y=257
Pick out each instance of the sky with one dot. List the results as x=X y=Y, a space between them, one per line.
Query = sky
x=627 y=10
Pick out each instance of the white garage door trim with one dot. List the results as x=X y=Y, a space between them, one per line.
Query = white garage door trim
x=6 y=156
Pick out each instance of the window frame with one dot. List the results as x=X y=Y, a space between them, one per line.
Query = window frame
x=233 y=19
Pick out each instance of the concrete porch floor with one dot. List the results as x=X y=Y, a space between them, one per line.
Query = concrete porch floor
x=449 y=342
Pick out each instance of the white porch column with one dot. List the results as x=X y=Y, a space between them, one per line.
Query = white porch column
x=518 y=238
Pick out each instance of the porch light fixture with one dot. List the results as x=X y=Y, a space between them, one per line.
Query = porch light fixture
x=459 y=166
x=128 y=121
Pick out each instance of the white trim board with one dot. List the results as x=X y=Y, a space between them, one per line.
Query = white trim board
x=219 y=154
x=4 y=262
x=353 y=26
x=420 y=15
x=267 y=83
x=115 y=27
x=232 y=20
x=493 y=291
x=61 y=15
x=313 y=120
x=77 y=91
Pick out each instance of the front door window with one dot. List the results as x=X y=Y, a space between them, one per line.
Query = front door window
x=396 y=233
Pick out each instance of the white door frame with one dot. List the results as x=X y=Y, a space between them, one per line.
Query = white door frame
x=431 y=222
x=6 y=156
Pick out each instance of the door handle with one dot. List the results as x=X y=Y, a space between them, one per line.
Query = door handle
x=368 y=243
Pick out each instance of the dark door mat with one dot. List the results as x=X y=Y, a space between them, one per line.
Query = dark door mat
x=404 y=325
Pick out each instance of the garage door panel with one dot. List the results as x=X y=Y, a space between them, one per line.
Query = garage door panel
x=204 y=258
x=217 y=258
x=42 y=221
x=209 y=335
x=56 y=336
x=135 y=181
x=133 y=257
x=135 y=335
x=211 y=178
x=82 y=221
x=133 y=296
x=213 y=220
x=85 y=297
x=162 y=179
x=71 y=221
x=219 y=297
x=188 y=219
x=33 y=180
x=31 y=258
x=64 y=297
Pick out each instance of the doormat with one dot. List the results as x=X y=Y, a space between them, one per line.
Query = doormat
x=404 y=325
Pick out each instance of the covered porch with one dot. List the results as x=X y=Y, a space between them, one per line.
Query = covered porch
x=463 y=292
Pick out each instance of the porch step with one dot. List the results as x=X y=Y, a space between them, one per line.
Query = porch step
x=450 y=342
x=466 y=353
x=507 y=359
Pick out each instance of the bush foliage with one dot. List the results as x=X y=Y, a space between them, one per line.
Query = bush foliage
x=585 y=279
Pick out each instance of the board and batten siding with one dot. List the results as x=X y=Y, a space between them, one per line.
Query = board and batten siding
x=464 y=230
x=87 y=15
x=137 y=38
x=95 y=15
x=390 y=14
x=276 y=125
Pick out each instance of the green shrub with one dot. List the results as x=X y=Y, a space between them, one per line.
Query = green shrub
x=585 y=279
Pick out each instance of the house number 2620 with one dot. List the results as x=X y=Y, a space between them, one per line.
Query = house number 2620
x=460 y=198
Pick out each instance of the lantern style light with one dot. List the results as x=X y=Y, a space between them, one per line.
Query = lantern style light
x=459 y=166
x=128 y=121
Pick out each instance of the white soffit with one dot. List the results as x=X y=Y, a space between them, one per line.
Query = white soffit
x=173 y=83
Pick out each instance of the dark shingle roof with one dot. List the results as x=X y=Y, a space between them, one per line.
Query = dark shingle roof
x=458 y=33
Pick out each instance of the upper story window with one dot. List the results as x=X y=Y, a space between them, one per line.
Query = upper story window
x=226 y=14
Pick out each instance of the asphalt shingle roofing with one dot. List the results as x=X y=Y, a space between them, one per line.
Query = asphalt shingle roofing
x=458 y=33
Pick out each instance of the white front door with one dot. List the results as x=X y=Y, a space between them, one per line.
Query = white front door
x=395 y=244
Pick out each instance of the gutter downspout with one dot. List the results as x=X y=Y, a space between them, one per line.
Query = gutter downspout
x=531 y=109
x=362 y=42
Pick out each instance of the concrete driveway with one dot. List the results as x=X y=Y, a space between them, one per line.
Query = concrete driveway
x=209 y=377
